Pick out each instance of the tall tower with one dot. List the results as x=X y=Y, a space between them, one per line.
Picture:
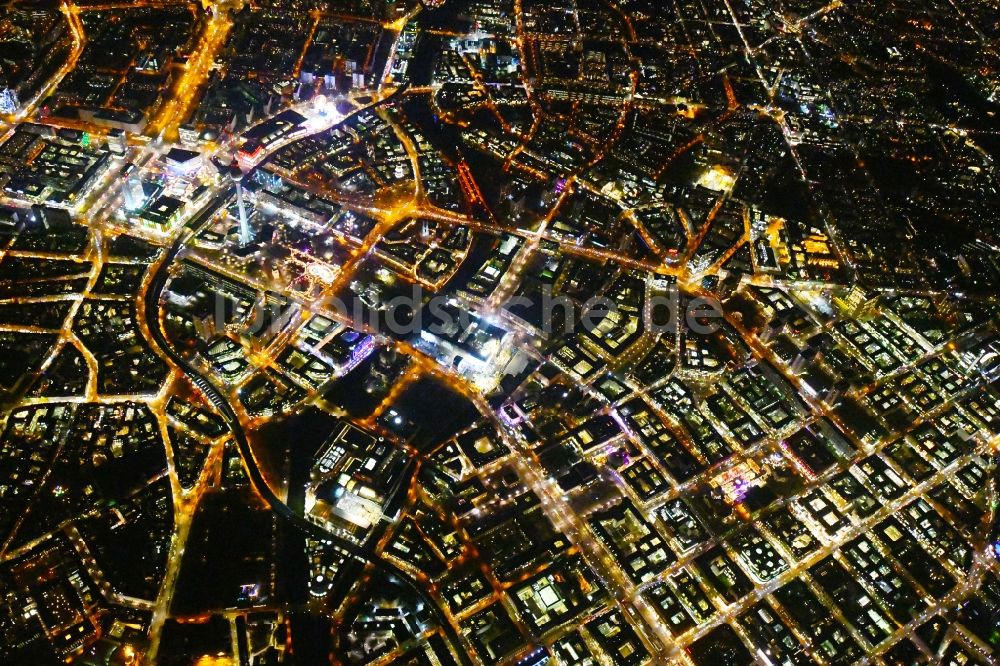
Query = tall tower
x=246 y=236
x=135 y=196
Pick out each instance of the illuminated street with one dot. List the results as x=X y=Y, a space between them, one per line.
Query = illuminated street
x=499 y=332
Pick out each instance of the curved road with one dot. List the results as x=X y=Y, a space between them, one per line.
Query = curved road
x=151 y=301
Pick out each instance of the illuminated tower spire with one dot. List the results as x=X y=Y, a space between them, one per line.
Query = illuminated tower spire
x=246 y=237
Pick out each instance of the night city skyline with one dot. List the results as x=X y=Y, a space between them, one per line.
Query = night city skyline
x=499 y=332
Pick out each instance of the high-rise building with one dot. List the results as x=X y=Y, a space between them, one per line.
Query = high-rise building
x=246 y=236
x=8 y=100
x=135 y=195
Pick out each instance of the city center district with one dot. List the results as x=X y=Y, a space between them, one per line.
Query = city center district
x=499 y=332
